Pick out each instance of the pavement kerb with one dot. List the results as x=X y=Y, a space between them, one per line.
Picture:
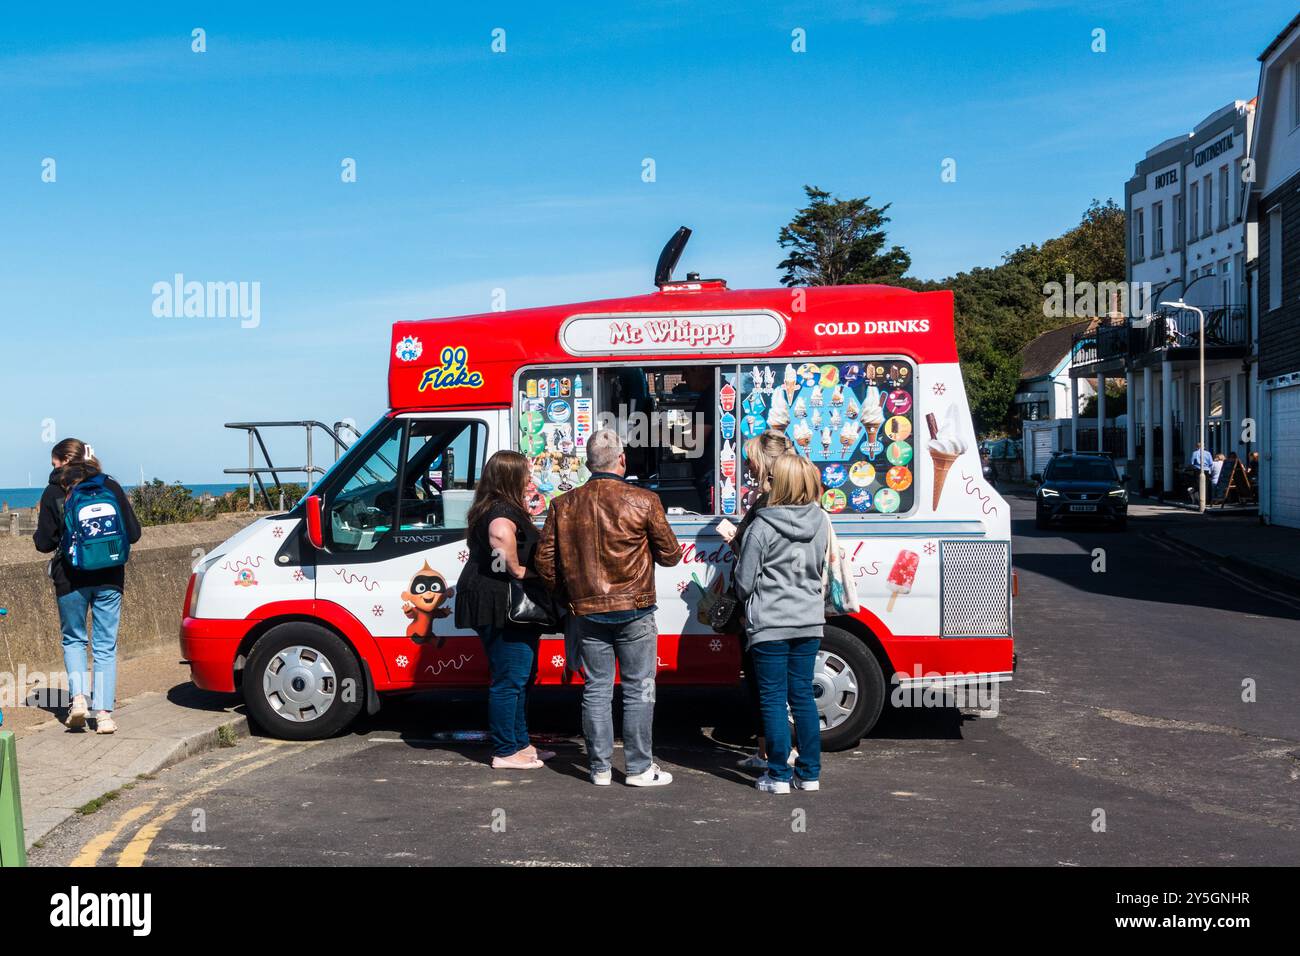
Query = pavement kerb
x=160 y=752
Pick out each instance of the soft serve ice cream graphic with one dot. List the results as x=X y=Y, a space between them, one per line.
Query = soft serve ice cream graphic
x=946 y=445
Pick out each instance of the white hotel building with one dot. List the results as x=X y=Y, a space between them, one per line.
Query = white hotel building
x=1190 y=238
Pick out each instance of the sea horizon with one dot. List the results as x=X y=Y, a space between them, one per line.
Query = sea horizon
x=20 y=498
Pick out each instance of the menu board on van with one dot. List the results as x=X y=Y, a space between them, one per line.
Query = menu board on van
x=853 y=420
x=555 y=421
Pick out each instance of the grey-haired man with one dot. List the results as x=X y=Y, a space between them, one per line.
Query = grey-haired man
x=599 y=548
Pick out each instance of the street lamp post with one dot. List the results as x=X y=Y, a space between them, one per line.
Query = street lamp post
x=1200 y=471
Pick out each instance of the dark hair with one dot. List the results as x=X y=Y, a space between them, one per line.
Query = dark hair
x=504 y=477
x=79 y=462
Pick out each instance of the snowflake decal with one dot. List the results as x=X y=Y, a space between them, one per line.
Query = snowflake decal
x=939 y=388
x=409 y=349
x=278 y=531
x=298 y=575
x=682 y=586
x=377 y=610
x=462 y=556
x=715 y=645
x=929 y=547
x=557 y=660
x=401 y=661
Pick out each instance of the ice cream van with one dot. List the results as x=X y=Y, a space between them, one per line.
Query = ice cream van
x=316 y=613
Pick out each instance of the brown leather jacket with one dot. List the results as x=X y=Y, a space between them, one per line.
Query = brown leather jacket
x=600 y=546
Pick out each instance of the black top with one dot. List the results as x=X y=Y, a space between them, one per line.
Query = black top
x=49 y=534
x=482 y=594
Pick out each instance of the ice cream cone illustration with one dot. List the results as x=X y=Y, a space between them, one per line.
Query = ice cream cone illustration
x=945 y=447
x=791 y=383
x=817 y=419
x=826 y=441
x=817 y=398
x=803 y=435
x=872 y=414
x=779 y=416
x=800 y=408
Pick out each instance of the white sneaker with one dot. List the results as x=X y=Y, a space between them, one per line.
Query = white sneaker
x=800 y=784
x=794 y=755
x=602 y=778
x=752 y=762
x=769 y=784
x=653 y=777
x=104 y=723
x=77 y=713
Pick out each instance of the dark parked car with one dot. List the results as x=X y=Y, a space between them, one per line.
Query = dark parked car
x=1081 y=486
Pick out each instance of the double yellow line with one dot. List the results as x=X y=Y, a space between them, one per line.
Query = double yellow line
x=137 y=848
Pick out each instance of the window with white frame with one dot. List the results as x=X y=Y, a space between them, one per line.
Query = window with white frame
x=1157 y=229
x=1223 y=196
x=1139 y=236
x=1193 y=223
x=1295 y=94
x=1207 y=198
x=1178 y=222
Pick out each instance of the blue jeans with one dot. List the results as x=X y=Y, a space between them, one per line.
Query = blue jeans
x=784 y=671
x=105 y=608
x=635 y=647
x=512 y=656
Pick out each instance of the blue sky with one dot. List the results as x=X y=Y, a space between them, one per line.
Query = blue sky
x=519 y=170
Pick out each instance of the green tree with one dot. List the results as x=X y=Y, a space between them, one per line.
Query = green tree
x=834 y=241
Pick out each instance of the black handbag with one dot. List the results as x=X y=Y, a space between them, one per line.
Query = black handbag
x=724 y=613
x=532 y=605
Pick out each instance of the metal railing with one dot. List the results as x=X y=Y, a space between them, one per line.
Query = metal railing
x=310 y=470
x=1226 y=326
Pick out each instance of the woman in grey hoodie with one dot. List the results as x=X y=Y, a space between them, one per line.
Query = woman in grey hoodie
x=779 y=577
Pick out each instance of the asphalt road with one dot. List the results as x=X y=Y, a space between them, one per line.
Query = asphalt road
x=1127 y=708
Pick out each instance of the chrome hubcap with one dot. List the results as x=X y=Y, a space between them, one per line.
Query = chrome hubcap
x=299 y=683
x=835 y=689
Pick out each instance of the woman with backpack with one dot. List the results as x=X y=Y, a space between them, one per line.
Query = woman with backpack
x=502 y=540
x=88 y=571
x=779 y=578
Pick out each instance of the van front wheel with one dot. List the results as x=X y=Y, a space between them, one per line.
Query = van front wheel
x=848 y=687
x=302 y=682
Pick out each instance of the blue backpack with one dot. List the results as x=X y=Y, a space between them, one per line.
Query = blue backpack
x=94 y=534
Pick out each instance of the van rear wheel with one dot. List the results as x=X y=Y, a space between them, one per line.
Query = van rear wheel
x=848 y=688
x=302 y=682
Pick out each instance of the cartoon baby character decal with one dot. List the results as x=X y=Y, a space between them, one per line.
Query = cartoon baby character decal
x=424 y=602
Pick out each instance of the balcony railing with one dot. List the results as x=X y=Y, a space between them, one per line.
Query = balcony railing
x=1226 y=326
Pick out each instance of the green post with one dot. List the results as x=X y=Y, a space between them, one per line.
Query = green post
x=13 y=847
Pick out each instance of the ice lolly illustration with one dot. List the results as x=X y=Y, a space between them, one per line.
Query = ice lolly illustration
x=901 y=575
x=945 y=446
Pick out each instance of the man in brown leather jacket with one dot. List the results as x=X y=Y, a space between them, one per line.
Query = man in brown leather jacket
x=599 y=549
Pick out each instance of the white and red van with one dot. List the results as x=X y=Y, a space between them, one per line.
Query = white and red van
x=317 y=612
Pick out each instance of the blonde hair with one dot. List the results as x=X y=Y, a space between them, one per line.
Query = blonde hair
x=763 y=450
x=795 y=481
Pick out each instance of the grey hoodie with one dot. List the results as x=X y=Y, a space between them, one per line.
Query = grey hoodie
x=779 y=573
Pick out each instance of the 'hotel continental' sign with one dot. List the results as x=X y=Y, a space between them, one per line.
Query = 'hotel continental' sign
x=1221 y=145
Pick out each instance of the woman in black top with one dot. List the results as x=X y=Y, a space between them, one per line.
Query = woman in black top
x=80 y=593
x=502 y=539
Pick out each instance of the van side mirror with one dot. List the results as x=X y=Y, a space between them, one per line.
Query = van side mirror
x=315 y=506
x=1036 y=477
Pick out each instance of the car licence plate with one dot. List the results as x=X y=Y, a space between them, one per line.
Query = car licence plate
x=1083 y=507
